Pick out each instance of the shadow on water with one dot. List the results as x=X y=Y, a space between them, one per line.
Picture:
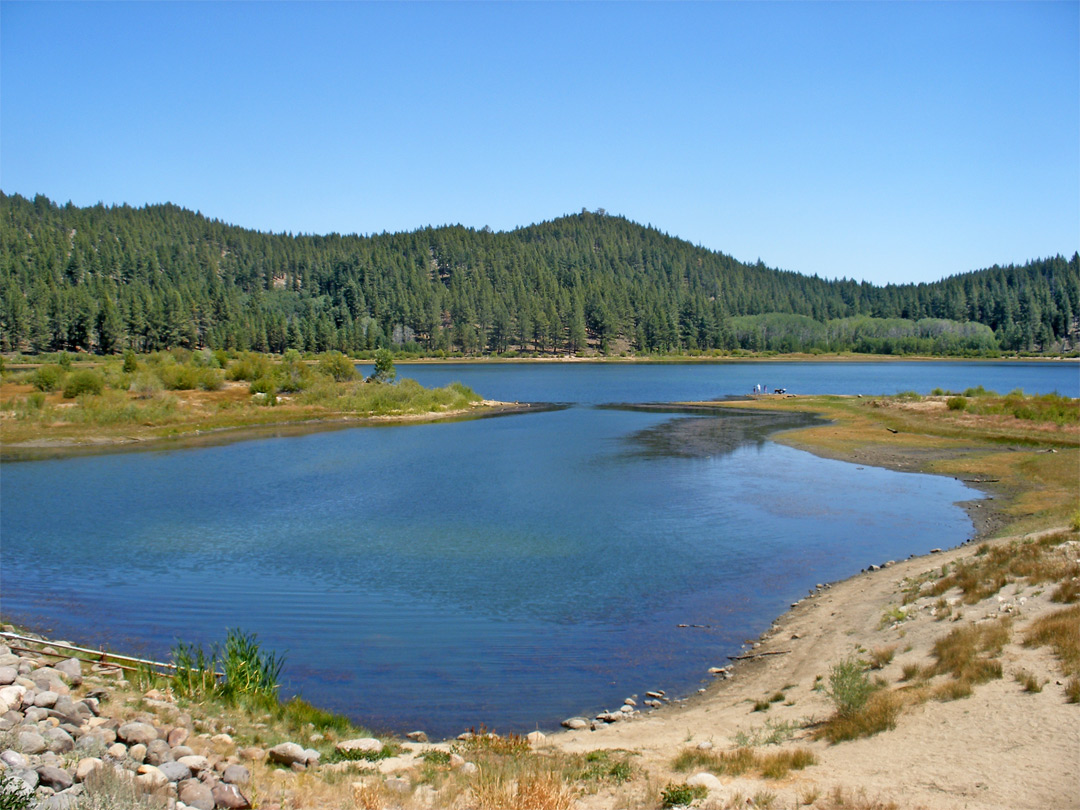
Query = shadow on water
x=705 y=433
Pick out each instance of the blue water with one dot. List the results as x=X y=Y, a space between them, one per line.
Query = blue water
x=507 y=571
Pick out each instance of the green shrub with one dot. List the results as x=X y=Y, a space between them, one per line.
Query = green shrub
x=83 y=382
x=384 y=367
x=130 y=363
x=187 y=378
x=337 y=367
x=681 y=795
x=48 y=378
x=956 y=403
x=849 y=686
x=249 y=366
x=145 y=385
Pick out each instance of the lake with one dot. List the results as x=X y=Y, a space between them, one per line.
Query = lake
x=510 y=571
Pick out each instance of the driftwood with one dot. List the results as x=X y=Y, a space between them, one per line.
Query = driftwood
x=748 y=656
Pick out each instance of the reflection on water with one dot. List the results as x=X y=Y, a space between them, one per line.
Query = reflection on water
x=701 y=436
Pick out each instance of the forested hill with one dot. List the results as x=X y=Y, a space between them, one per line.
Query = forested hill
x=107 y=278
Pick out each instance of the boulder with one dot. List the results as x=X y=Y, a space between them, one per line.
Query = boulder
x=158 y=751
x=46 y=699
x=13 y=759
x=417 y=736
x=362 y=745
x=72 y=669
x=137 y=752
x=705 y=780
x=178 y=736
x=8 y=675
x=222 y=739
x=56 y=778
x=61 y=801
x=150 y=778
x=469 y=768
x=229 y=797
x=311 y=757
x=86 y=766
x=536 y=738
x=30 y=742
x=288 y=753
x=117 y=751
x=236 y=775
x=253 y=754
x=195 y=763
x=195 y=794
x=174 y=771
x=60 y=742
x=575 y=722
x=135 y=733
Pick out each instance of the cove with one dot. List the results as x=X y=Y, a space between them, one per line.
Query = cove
x=509 y=571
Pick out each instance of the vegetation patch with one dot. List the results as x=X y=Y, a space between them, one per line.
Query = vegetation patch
x=681 y=795
x=774 y=765
x=1060 y=631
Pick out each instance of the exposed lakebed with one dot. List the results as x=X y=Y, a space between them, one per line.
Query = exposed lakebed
x=508 y=571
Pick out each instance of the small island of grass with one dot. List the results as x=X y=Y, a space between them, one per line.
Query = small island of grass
x=64 y=405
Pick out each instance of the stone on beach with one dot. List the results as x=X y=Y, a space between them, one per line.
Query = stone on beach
x=136 y=733
x=288 y=753
x=575 y=723
x=361 y=745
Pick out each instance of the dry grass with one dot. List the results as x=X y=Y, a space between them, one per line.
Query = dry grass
x=533 y=790
x=1060 y=631
x=880 y=713
x=881 y=657
x=775 y=765
x=970 y=653
x=840 y=799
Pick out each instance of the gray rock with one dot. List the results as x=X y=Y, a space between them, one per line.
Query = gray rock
x=28 y=776
x=174 y=771
x=61 y=801
x=400 y=784
x=67 y=707
x=181 y=751
x=137 y=752
x=56 y=778
x=8 y=675
x=289 y=753
x=707 y=781
x=13 y=759
x=158 y=751
x=134 y=733
x=236 y=775
x=91 y=744
x=151 y=777
x=195 y=794
x=575 y=722
x=229 y=797
x=36 y=714
x=311 y=757
x=72 y=669
x=417 y=736
x=195 y=762
x=469 y=768
x=30 y=742
x=60 y=742
x=178 y=736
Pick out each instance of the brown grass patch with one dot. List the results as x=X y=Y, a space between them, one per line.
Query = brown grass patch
x=745 y=760
x=1061 y=632
x=879 y=714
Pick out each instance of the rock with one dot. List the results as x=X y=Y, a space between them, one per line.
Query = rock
x=158 y=751
x=71 y=668
x=626 y=709
x=536 y=738
x=659 y=693
x=469 y=768
x=175 y=771
x=236 y=775
x=137 y=752
x=400 y=784
x=178 y=736
x=417 y=736
x=117 y=751
x=195 y=763
x=60 y=742
x=311 y=757
x=29 y=777
x=289 y=753
x=61 y=801
x=195 y=794
x=705 y=745
x=456 y=761
x=30 y=742
x=46 y=699
x=252 y=754
x=13 y=759
x=56 y=778
x=705 y=780
x=8 y=675
x=363 y=744
x=86 y=766
x=151 y=778
x=229 y=797
x=575 y=723
x=13 y=695
x=630 y=702
x=221 y=739
x=181 y=751
x=27 y=780
x=135 y=733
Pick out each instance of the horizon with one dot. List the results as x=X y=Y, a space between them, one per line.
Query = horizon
x=888 y=143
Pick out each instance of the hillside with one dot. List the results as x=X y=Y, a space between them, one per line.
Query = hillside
x=105 y=278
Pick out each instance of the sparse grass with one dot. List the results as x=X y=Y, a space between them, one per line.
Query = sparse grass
x=739 y=761
x=483 y=741
x=602 y=766
x=840 y=799
x=879 y=713
x=772 y=733
x=109 y=789
x=1060 y=631
x=1029 y=680
x=762 y=705
x=1072 y=690
x=969 y=655
x=881 y=657
x=354 y=755
x=533 y=789
x=892 y=615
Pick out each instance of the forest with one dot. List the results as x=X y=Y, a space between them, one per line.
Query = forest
x=104 y=279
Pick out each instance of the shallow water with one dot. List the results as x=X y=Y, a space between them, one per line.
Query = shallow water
x=507 y=571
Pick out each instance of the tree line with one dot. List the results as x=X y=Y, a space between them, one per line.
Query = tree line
x=109 y=278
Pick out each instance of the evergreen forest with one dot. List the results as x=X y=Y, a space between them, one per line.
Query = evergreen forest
x=104 y=279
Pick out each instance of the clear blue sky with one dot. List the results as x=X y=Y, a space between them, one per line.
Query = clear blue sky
x=892 y=142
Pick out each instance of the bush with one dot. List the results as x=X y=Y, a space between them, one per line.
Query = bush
x=337 y=366
x=48 y=378
x=681 y=795
x=849 y=686
x=83 y=382
x=266 y=387
x=384 y=367
x=130 y=363
x=186 y=378
x=956 y=403
x=145 y=385
x=249 y=367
